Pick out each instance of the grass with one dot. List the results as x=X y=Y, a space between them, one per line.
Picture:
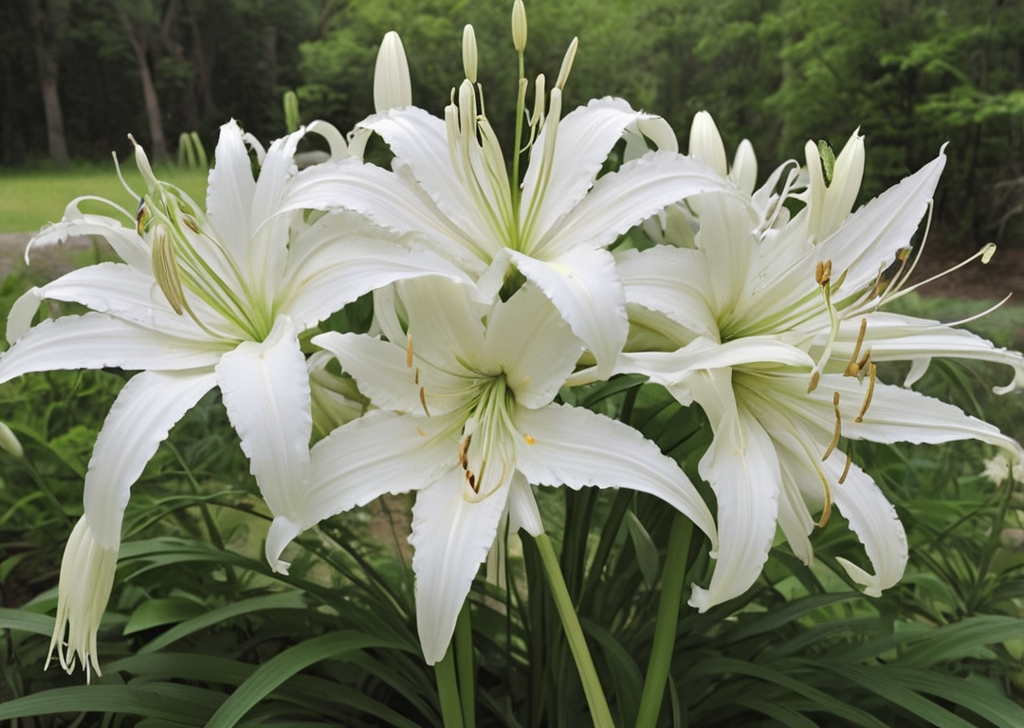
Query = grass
x=30 y=199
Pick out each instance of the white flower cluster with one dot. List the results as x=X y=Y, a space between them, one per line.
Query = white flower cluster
x=492 y=291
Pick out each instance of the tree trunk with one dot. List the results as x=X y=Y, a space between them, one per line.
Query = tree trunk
x=139 y=38
x=46 y=46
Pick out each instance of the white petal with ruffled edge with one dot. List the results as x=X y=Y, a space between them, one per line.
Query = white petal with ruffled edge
x=577 y=447
x=145 y=410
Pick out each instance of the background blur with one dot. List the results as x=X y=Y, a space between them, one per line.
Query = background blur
x=76 y=76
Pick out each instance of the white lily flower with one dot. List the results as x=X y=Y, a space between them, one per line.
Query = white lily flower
x=764 y=327
x=202 y=301
x=450 y=186
x=467 y=419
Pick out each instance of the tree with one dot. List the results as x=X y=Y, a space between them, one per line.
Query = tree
x=48 y=19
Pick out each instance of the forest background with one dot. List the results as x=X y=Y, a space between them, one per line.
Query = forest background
x=76 y=76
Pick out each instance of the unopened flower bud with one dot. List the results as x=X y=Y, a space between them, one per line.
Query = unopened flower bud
x=519 y=25
x=706 y=143
x=570 y=56
x=391 y=84
x=10 y=442
x=469 y=52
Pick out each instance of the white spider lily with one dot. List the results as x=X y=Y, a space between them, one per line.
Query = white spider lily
x=201 y=301
x=451 y=187
x=764 y=327
x=466 y=419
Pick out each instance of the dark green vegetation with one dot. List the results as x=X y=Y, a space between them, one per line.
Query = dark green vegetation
x=911 y=75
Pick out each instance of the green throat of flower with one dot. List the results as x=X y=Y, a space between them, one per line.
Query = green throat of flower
x=487 y=448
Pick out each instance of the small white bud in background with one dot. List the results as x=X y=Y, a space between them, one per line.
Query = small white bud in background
x=744 y=168
x=570 y=56
x=391 y=84
x=469 y=52
x=519 y=25
x=10 y=442
x=706 y=143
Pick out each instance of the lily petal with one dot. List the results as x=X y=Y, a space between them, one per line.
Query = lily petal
x=452 y=537
x=144 y=412
x=578 y=447
x=265 y=386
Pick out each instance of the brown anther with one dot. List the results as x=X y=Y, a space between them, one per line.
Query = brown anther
x=416 y=376
x=420 y=430
x=853 y=368
x=867 y=397
x=823 y=272
x=846 y=469
x=408 y=351
x=529 y=440
x=826 y=511
x=423 y=401
x=191 y=225
x=463 y=449
x=862 y=365
x=815 y=377
x=838 y=429
x=472 y=482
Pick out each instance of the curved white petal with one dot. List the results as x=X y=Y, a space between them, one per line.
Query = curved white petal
x=125 y=241
x=522 y=507
x=111 y=288
x=451 y=537
x=894 y=337
x=535 y=346
x=328 y=268
x=379 y=453
x=585 y=137
x=445 y=325
x=229 y=192
x=384 y=374
x=584 y=286
x=671 y=281
x=873 y=518
x=743 y=470
x=625 y=198
x=95 y=341
x=265 y=386
x=144 y=412
x=578 y=447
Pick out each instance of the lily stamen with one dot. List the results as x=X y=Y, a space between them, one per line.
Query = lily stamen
x=846 y=469
x=423 y=401
x=408 y=351
x=853 y=368
x=838 y=429
x=867 y=397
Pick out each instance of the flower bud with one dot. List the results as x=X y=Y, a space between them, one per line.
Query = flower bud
x=519 y=25
x=706 y=143
x=570 y=56
x=10 y=442
x=469 y=52
x=391 y=84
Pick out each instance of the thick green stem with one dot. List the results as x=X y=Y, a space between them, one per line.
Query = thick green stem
x=464 y=666
x=574 y=634
x=672 y=580
x=448 y=691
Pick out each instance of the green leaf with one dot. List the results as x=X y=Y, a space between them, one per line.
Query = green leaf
x=646 y=550
x=157 y=612
x=26 y=621
x=179 y=703
x=273 y=673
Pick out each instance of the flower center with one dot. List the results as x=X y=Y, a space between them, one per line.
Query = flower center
x=487 y=449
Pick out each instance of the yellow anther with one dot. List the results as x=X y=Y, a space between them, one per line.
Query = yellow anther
x=423 y=401
x=814 y=382
x=862 y=365
x=838 y=429
x=853 y=368
x=867 y=397
x=416 y=376
x=420 y=430
x=826 y=511
x=463 y=449
x=408 y=351
x=987 y=252
x=846 y=469
x=529 y=440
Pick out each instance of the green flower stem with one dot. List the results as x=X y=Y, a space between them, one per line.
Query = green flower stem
x=448 y=691
x=574 y=633
x=665 y=627
x=464 y=665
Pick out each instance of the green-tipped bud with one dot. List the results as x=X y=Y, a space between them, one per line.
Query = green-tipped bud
x=10 y=442
x=142 y=162
x=469 y=52
x=570 y=56
x=519 y=25
x=392 y=86
x=291 y=111
x=165 y=269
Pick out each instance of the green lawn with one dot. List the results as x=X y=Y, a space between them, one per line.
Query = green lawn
x=29 y=200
